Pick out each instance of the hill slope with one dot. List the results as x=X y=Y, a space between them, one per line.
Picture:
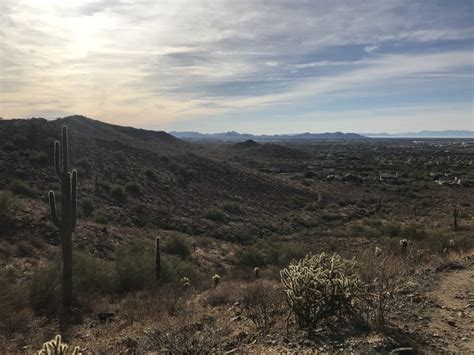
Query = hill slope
x=176 y=188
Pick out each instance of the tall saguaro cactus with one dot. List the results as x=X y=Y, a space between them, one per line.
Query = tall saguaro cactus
x=67 y=223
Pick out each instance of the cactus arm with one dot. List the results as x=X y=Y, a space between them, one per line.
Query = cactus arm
x=73 y=200
x=57 y=154
x=65 y=151
x=52 y=206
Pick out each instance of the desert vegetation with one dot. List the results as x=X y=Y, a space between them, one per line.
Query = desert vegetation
x=180 y=247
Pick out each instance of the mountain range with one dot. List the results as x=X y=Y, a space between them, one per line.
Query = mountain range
x=235 y=136
x=423 y=134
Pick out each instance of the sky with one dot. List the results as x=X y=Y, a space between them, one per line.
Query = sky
x=254 y=66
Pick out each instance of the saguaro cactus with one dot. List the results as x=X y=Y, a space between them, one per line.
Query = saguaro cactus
x=67 y=223
x=157 y=259
x=455 y=216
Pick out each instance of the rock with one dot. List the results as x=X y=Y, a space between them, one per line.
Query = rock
x=451 y=323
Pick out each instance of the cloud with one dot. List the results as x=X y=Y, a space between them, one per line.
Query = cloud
x=165 y=62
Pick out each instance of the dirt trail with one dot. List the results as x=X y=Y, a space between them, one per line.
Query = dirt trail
x=452 y=317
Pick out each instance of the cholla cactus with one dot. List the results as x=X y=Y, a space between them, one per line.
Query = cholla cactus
x=216 y=278
x=319 y=287
x=378 y=251
x=404 y=243
x=256 y=272
x=56 y=347
x=185 y=282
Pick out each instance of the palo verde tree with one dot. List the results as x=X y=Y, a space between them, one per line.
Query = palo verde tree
x=66 y=223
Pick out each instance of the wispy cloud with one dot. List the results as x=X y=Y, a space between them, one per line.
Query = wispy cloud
x=159 y=63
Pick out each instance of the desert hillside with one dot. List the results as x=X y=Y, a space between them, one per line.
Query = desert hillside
x=381 y=211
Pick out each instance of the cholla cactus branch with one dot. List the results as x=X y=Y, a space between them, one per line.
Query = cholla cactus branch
x=56 y=347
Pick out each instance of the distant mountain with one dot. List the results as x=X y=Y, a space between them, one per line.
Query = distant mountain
x=235 y=136
x=423 y=134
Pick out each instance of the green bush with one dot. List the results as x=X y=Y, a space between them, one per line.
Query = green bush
x=9 y=207
x=22 y=188
x=391 y=230
x=11 y=299
x=38 y=158
x=135 y=266
x=251 y=257
x=150 y=174
x=45 y=288
x=85 y=165
x=133 y=188
x=177 y=245
x=234 y=208
x=91 y=276
x=118 y=193
x=87 y=206
x=101 y=217
x=119 y=156
x=281 y=254
x=216 y=215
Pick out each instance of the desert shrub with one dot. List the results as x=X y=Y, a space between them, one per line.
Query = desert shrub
x=233 y=207
x=101 y=217
x=133 y=188
x=135 y=266
x=140 y=214
x=87 y=206
x=38 y=158
x=215 y=215
x=176 y=268
x=177 y=245
x=90 y=275
x=412 y=232
x=184 y=334
x=119 y=156
x=250 y=256
x=9 y=207
x=262 y=305
x=8 y=146
x=93 y=275
x=391 y=230
x=44 y=291
x=11 y=300
x=219 y=297
x=118 y=193
x=23 y=188
x=322 y=287
x=281 y=254
x=20 y=140
x=150 y=174
x=85 y=165
x=382 y=272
